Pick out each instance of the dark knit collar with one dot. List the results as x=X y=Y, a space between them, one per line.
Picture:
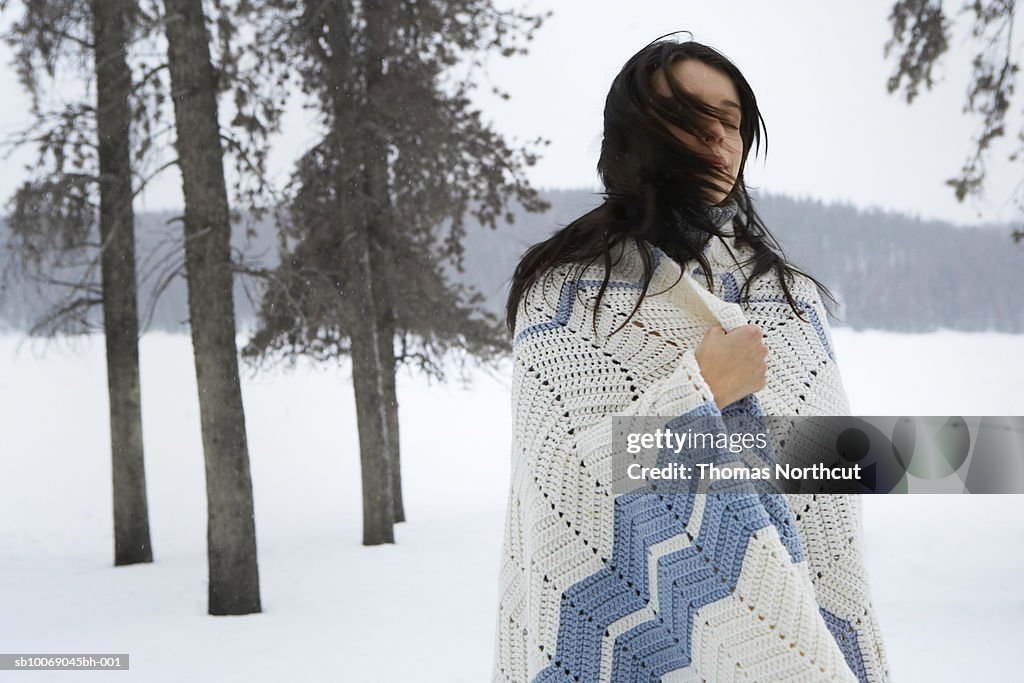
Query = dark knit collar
x=720 y=215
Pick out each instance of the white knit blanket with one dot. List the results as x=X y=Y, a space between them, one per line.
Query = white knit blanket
x=597 y=586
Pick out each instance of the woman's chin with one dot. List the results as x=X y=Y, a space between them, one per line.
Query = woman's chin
x=716 y=194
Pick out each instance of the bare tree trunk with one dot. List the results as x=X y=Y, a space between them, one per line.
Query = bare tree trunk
x=231 y=530
x=379 y=202
x=386 y=325
x=117 y=267
x=367 y=368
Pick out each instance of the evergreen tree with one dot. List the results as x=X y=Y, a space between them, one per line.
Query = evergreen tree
x=920 y=30
x=85 y=159
x=376 y=211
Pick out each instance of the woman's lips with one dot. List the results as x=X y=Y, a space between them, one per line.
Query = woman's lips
x=716 y=161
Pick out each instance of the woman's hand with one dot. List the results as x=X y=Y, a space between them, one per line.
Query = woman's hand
x=733 y=363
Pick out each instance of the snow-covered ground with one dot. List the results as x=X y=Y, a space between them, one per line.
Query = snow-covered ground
x=946 y=570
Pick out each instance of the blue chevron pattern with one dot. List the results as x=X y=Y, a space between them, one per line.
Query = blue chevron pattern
x=740 y=414
x=846 y=638
x=569 y=295
x=688 y=579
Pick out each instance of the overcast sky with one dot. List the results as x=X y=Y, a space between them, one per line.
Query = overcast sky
x=816 y=68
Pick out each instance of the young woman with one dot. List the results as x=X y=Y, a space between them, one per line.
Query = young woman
x=672 y=299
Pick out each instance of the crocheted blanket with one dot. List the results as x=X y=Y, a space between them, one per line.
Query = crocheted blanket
x=599 y=586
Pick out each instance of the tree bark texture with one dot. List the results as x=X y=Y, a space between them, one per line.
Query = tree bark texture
x=379 y=205
x=117 y=272
x=383 y=259
x=231 y=535
x=368 y=372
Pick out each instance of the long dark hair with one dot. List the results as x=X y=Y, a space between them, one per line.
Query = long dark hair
x=653 y=183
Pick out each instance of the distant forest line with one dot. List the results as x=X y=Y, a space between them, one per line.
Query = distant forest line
x=890 y=271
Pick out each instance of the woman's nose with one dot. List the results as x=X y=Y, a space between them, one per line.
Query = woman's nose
x=715 y=131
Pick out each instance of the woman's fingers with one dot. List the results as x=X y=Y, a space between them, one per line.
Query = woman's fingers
x=734 y=363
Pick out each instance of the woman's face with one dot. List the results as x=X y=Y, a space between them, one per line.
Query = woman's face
x=723 y=147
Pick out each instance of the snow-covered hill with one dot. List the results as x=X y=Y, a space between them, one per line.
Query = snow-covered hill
x=946 y=570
